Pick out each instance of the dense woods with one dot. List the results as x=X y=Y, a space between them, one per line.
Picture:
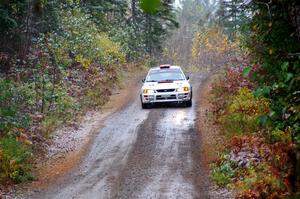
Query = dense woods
x=257 y=104
x=59 y=59
x=255 y=47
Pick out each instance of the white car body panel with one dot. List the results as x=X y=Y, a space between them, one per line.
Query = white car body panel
x=166 y=91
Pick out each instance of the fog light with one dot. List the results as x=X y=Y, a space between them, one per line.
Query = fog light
x=180 y=96
x=183 y=89
x=148 y=91
x=151 y=97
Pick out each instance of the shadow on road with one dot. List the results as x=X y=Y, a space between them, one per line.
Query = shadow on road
x=168 y=105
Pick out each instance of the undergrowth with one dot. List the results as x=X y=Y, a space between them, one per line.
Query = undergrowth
x=257 y=160
x=15 y=160
x=58 y=82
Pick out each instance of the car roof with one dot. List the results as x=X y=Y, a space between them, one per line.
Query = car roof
x=171 y=67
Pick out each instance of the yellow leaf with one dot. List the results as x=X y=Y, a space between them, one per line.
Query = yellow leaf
x=270 y=24
x=270 y=51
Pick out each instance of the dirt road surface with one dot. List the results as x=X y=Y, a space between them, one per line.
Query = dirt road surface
x=142 y=154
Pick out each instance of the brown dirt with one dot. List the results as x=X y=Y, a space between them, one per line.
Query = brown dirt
x=210 y=136
x=209 y=132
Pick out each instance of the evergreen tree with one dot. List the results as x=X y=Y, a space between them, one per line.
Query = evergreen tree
x=232 y=14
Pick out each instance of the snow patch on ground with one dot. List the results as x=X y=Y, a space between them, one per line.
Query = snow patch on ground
x=69 y=139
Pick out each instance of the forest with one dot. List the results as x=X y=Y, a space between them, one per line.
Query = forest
x=59 y=59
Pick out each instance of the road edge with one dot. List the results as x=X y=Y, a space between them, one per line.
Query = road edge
x=52 y=169
x=209 y=135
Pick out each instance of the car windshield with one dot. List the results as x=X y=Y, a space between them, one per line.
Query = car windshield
x=165 y=75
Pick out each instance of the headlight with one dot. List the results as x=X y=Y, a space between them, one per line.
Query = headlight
x=183 y=89
x=148 y=91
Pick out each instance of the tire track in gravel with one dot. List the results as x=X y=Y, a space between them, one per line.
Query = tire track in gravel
x=140 y=154
x=165 y=161
x=106 y=157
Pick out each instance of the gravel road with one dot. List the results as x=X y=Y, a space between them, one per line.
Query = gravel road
x=140 y=153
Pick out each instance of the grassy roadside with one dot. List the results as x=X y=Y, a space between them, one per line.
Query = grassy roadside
x=21 y=150
x=77 y=141
x=251 y=159
x=212 y=140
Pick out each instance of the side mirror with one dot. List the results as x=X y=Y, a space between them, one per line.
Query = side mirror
x=143 y=80
x=187 y=77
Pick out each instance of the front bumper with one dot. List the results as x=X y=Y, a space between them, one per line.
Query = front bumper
x=166 y=97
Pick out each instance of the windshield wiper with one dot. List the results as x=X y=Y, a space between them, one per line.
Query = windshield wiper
x=166 y=81
x=151 y=81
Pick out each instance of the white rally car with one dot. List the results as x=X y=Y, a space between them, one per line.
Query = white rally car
x=166 y=83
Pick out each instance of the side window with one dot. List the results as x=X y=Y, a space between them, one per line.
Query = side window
x=185 y=75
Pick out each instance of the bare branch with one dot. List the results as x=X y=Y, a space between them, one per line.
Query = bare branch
x=268 y=7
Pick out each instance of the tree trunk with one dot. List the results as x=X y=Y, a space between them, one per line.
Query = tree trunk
x=133 y=10
x=298 y=171
x=149 y=42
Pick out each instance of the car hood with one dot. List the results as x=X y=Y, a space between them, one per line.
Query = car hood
x=169 y=85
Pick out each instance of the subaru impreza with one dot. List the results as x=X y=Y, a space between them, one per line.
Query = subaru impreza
x=166 y=84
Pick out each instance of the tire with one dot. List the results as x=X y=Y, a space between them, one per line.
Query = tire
x=144 y=105
x=188 y=103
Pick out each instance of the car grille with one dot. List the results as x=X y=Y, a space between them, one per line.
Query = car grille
x=165 y=90
x=164 y=97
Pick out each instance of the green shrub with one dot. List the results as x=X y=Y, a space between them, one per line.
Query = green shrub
x=279 y=136
x=49 y=124
x=260 y=180
x=63 y=109
x=12 y=98
x=294 y=196
x=243 y=112
x=14 y=161
x=246 y=103
x=235 y=124
x=96 y=97
x=82 y=42
x=223 y=174
x=64 y=105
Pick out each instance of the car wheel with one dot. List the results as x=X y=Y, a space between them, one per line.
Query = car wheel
x=188 y=103
x=144 y=105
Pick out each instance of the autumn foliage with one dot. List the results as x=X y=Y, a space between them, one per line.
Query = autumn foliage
x=257 y=162
x=212 y=48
